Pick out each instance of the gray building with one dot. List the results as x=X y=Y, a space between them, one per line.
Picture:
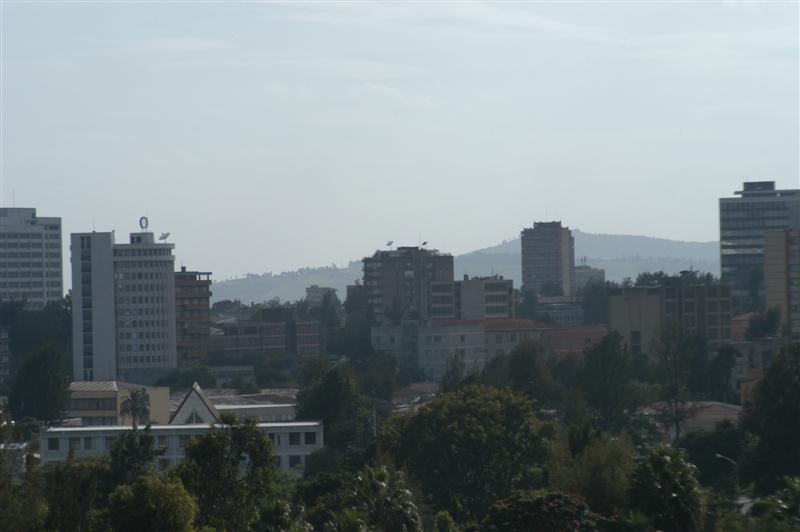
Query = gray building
x=123 y=317
x=30 y=257
x=398 y=282
x=548 y=259
x=473 y=299
x=586 y=274
x=743 y=220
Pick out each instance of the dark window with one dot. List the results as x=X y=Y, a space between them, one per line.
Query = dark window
x=311 y=438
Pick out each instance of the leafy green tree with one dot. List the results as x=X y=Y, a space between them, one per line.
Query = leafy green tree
x=674 y=354
x=530 y=375
x=526 y=305
x=229 y=470
x=523 y=511
x=382 y=495
x=718 y=380
x=594 y=299
x=469 y=447
x=764 y=324
x=605 y=380
x=22 y=506
x=75 y=491
x=773 y=416
x=664 y=488
x=136 y=407
x=377 y=375
x=132 y=455
x=152 y=503
x=600 y=472
x=705 y=448
x=335 y=399
x=41 y=388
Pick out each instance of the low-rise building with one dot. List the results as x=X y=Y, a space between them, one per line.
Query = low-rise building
x=100 y=402
x=643 y=314
x=586 y=274
x=225 y=374
x=565 y=314
x=568 y=341
x=292 y=442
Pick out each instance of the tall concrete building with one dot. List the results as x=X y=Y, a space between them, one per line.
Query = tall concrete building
x=782 y=278
x=548 y=259
x=193 y=316
x=398 y=282
x=123 y=317
x=30 y=257
x=743 y=220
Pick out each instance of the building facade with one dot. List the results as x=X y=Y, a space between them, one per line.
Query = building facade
x=548 y=259
x=100 y=402
x=6 y=369
x=192 y=316
x=782 y=278
x=474 y=298
x=292 y=442
x=586 y=274
x=643 y=314
x=398 y=282
x=31 y=266
x=123 y=305
x=743 y=222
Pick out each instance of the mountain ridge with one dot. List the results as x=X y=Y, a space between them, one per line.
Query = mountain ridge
x=620 y=255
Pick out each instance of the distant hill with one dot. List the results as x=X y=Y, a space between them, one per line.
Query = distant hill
x=620 y=255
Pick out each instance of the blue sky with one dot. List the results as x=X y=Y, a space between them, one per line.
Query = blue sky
x=271 y=136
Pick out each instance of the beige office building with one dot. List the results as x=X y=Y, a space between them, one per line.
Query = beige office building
x=100 y=402
x=782 y=278
x=643 y=314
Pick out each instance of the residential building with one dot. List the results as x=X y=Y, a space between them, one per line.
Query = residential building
x=474 y=298
x=502 y=336
x=548 y=259
x=573 y=341
x=192 y=316
x=643 y=314
x=100 y=402
x=316 y=294
x=560 y=313
x=461 y=340
x=398 y=282
x=30 y=257
x=743 y=221
x=270 y=332
x=586 y=274
x=123 y=305
x=293 y=442
x=13 y=458
x=782 y=278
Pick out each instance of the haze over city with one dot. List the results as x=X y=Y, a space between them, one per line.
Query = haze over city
x=266 y=137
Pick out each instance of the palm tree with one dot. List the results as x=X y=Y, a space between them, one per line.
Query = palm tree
x=136 y=406
x=388 y=504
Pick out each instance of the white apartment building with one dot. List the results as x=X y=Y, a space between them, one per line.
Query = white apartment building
x=292 y=442
x=123 y=305
x=30 y=257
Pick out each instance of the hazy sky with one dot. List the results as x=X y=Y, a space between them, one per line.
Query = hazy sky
x=270 y=136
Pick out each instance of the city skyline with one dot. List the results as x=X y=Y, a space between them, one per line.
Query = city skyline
x=273 y=125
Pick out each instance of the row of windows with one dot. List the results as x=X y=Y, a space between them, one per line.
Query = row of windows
x=146 y=335
x=154 y=287
x=141 y=323
x=21 y=294
x=139 y=264
x=93 y=404
x=36 y=267
x=143 y=359
x=27 y=236
x=136 y=348
x=133 y=276
x=147 y=252
x=132 y=300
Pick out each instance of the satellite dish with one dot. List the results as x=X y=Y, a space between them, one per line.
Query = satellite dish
x=425 y=243
x=163 y=236
x=143 y=222
x=389 y=243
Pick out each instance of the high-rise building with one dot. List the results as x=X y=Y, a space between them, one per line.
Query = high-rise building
x=193 y=316
x=398 y=282
x=782 y=278
x=30 y=257
x=123 y=317
x=548 y=259
x=742 y=223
